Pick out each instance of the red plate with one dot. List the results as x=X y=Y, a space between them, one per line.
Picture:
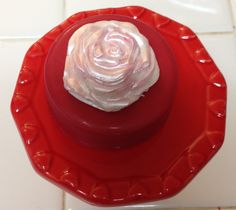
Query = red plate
x=155 y=169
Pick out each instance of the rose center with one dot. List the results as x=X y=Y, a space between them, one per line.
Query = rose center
x=114 y=50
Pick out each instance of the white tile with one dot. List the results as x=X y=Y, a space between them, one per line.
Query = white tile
x=215 y=185
x=200 y=15
x=21 y=187
x=74 y=204
x=29 y=17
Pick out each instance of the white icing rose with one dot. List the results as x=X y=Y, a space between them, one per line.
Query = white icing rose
x=109 y=65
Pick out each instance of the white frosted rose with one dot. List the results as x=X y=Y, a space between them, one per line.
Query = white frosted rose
x=109 y=64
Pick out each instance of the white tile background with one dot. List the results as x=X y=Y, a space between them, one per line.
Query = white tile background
x=22 y=21
x=27 y=18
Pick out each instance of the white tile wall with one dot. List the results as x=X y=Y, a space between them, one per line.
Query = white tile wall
x=29 y=17
x=201 y=15
x=22 y=188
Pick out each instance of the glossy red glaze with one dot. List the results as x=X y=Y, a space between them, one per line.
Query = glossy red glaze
x=127 y=127
x=152 y=170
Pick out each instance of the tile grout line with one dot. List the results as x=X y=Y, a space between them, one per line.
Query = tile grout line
x=233 y=14
x=19 y=38
x=64 y=9
x=227 y=33
x=63 y=200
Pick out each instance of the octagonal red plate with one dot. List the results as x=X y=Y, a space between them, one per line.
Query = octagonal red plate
x=154 y=170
